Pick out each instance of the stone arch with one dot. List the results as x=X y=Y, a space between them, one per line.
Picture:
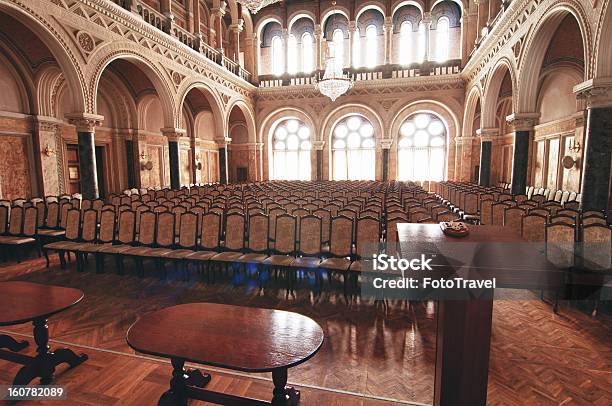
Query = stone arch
x=339 y=113
x=249 y=116
x=401 y=3
x=105 y=56
x=23 y=88
x=298 y=15
x=438 y=109
x=61 y=50
x=214 y=100
x=371 y=5
x=264 y=21
x=47 y=81
x=536 y=47
x=603 y=46
x=474 y=97
x=492 y=88
x=329 y=12
x=268 y=126
x=462 y=5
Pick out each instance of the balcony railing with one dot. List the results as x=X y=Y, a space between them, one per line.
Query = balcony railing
x=426 y=68
x=193 y=41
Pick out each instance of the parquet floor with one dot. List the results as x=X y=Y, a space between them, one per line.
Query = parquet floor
x=537 y=358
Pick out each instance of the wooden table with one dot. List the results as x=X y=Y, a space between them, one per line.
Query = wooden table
x=231 y=337
x=463 y=337
x=23 y=302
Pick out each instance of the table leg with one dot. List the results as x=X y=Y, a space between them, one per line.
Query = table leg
x=283 y=395
x=43 y=365
x=11 y=344
x=181 y=378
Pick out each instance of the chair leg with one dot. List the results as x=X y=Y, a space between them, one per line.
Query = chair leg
x=62 y=259
x=46 y=254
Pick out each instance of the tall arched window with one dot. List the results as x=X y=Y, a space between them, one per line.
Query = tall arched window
x=291 y=151
x=353 y=149
x=405 y=43
x=338 y=40
x=422 y=43
x=442 y=39
x=292 y=55
x=278 y=57
x=371 y=46
x=307 y=53
x=422 y=148
x=357 y=49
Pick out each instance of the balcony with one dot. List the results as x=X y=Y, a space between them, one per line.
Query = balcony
x=392 y=71
x=193 y=41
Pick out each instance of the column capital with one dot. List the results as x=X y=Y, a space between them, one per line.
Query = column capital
x=388 y=24
x=427 y=18
x=238 y=27
x=318 y=31
x=595 y=92
x=465 y=140
x=352 y=26
x=318 y=145
x=173 y=134
x=523 y=121
x=85 y=122
x=44 y=123
x=386 y=143
x=218 y=11
x=487 y=134
x=223 y=142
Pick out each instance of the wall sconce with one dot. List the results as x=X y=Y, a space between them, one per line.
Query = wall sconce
x=569 y=162
x=574 y=147
x=143 y=156
x=48 y=151
x=198 y=164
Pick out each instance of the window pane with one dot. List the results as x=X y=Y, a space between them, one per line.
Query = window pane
x=442 y=39
x=357 y=49
x=307 y=53
x=372 y=46
x=292 y=54
x=291 y=155
x=405 y=48
x=340 y=166
x=339 y=47
x=421 y=148
x=278 y=59
x=354 y=145
x=421 y=47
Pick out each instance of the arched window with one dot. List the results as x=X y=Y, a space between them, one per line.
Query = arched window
x=357 y=49
x=307 y=53
x=371 y=46
x=278 y=57
x=292 y=55
x=405 y=43
x=291 y=151
x=442 y=39
x=353 y=149
x=422 y=148
x=422 y=43
x=338 y=40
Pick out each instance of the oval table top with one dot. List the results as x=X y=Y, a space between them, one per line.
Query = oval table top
x=21 y=302
x=233 y=337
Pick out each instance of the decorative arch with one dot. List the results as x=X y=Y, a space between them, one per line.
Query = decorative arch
x=328 y=12
x=264 y=21
x=492 y=88
x=249 y=115
x=463 y=4
x=213 y=98
x=401 y=3
x=474 y=96
x=371 y=5
x=25 y=88
x=602 y=64
x=47 y=82
x=160 y=81
x=298 y=15
x=535 y=50
x=61 y=50
x=268 y=125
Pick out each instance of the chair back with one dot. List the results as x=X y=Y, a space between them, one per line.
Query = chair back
x=311 y=235
x=89 y=226
x=146 y=233
x=497 y=213
x=188 y=230
x=15 y=226
x=52 y=218
x=341 y=236
x=560 y=244
x=285 y=234
x=106 y=233
x=4 y=214
x=165 y=235
x=73 y=224
x=257 y=236
x=210 y=231
x=234 y=232
x=533 y=227
x=127 y=227
x=30 y=221
x=486 y=211
x=367 y=236
x=513 y=218
x=596 y=249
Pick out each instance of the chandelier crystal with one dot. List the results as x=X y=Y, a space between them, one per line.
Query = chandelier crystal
x=255 y=5
x=334 y=83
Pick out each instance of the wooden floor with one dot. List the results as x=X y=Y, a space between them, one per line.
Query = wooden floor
x=368 y=358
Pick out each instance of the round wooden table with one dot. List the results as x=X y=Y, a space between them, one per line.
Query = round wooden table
x=23 y=302
x=231 y=337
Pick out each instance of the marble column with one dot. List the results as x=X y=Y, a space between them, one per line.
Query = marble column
x=523 y=124
x=486 y=148
x=217 y=24
x=223 y=160
x=483 y=15
x=85 y=126
x=236 y=30
x=251 y=56
x=386 y=147
x=388 y=35
x=426 y=21
x=596 y=172
x=352 y=31
x=318 y=37
x=317 y=146
x=174 y=135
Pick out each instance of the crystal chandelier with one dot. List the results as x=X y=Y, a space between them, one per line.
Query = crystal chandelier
x=255 y=5
x=334 y=83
